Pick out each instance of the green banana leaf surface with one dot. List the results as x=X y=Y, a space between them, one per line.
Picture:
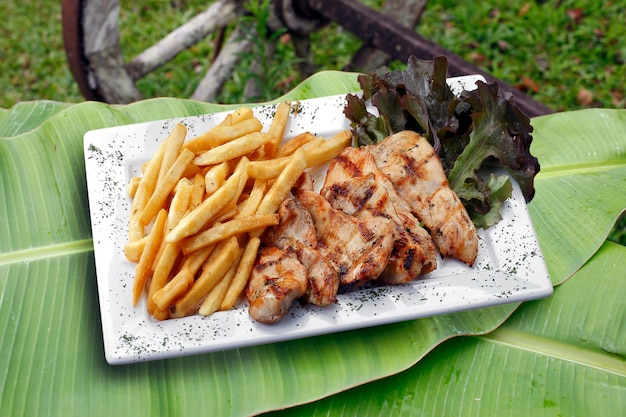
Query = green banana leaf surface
x=550 y=357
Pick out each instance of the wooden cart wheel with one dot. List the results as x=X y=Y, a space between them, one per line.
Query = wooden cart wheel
x=92 y=44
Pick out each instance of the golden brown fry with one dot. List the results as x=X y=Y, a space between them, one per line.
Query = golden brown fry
x=190 y=171
x=228 y=120
x=277 y=128
x=227 y=213
x=327 y=150
x=291 y=145
x=174 y=144
x=240 y=280
x=212 y=271
x=169 y=252
x=197 y=192
x=237 y=147
x=147 y=256
x=283 y=184
x=249 y=206
x=214 y=298
x=162 y=271
x=215 y=177
x=132 y=250
x=165 y=186
x=241 y=114
x=180 y=202
x=211 y=206
x=161 y=314
x=144 y=191
x=222 y=231
x=178 y=285
x=196 y=259
x=267 y=169
x=133 y=184
x=221 y=134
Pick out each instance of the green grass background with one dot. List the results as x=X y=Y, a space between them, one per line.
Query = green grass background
x=566 y=54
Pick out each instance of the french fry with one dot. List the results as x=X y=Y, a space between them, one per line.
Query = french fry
x=174 y=144
x=197 y=192
x=146 y=187
x=133 y=184
x=227 y=213
x=132 y=250
x=162 y=271
x=180 y=202
x=291 y=145
x=241 y=114
x=161 y=314
x=210 y=207
x=162 y=298
x=328 y=149
x=221 y=231
x=240 y=280
x=215 y=177
x=190 y=171
x=233 y=149
x=277 y=128
x=213 y=270
x=283 y=184
x=214 y=298
x=165 y=186
x=267 y=169
x=168 y=253
x=147 y=256
x=249 y=206
x=228 y=120
x=222 y=134
x=195 y=260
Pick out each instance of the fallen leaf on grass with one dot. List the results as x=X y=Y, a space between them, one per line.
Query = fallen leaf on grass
x=584 y=97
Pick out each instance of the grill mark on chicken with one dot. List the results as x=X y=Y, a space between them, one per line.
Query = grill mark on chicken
x=323 y=282
x=412 y=166
x=277 y=279
x=295 y=227
x=359 y=249
x=354 y=184
x=296 y=230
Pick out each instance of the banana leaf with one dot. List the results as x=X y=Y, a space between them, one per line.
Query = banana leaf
x=52 y=348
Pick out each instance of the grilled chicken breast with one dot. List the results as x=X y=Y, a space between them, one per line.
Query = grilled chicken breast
x=277 y=280
x=295 y=227
x=296 y=230
x=354 y=184
x=412 y=166
x=359 y=249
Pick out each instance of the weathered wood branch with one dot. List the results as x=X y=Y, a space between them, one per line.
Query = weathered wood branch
x=222 y=68
x=215 y=17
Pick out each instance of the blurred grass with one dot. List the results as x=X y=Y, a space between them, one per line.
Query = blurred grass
x=566 y=54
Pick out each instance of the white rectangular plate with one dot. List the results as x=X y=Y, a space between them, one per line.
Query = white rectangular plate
x=510 y=267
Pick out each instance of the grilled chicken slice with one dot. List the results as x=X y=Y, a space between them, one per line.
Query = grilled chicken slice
x=412 y=166
x=355 y=184
x=358 y=249
x=323 y=281
x=296 y=230
x=295 y=227
x=277 y=280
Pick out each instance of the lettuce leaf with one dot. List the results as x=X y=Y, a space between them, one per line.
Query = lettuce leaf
x=474 y=134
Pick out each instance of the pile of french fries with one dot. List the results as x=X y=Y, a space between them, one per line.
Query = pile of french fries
x=200 y=206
